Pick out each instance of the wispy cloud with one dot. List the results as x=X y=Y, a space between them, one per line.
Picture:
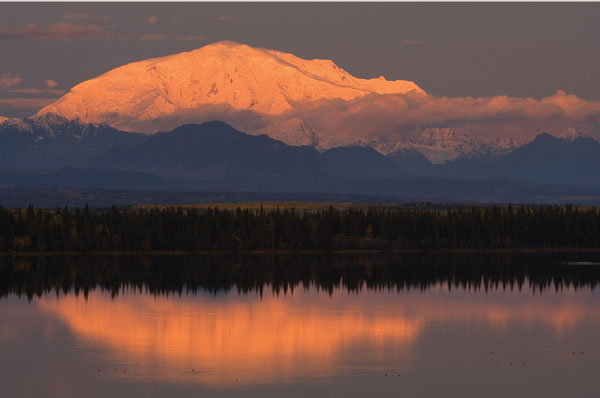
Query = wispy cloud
x=153 y=37
x=50 y=91
x=412 y=42
x=224 y=18
x=34 y=104
x=51 y=83
x=7 y=80
x=76 y=16
x=56 y=31
x=191 y=38
x=152 y=19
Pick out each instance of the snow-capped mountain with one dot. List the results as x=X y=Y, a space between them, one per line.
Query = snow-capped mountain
x=50 y=141
x=52 y=126
x=299 y=102
x=226 y=74
x=46 y=126
x=442 y=145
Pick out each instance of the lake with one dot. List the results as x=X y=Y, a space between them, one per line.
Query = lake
x=322 y=325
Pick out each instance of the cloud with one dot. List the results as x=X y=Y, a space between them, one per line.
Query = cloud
x=243 y=119
x=412 y=42
x=153 y=37
x=7 y=80
x=388 y=117
x=56 y=31
x=192 y=38
x=37 y=91
x=32 y=104
x=51 y=83
x=152 y=19
x=392 y=117
x=224 y=18
x=76 y=16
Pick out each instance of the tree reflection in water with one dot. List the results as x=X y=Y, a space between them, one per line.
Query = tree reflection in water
x=35 y=276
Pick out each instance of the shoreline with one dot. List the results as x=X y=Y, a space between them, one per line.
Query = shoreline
x=531 y=250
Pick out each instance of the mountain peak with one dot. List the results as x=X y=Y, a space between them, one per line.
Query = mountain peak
x=49 y=123
x=211 y=126
x=48 y=119
x=544 y=136
x=570 y=135
x=225 y=43
x=225 y=74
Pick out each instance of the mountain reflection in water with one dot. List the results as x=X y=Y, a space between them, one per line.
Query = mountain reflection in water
x=255 y=340
x=277 y=338
x=249 y=324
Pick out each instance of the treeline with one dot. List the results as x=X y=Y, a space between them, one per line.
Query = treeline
x=190 y=229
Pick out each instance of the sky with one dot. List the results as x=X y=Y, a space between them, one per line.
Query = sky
x=455 y=50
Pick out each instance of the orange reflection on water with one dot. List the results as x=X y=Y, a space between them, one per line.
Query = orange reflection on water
x=253 y=340
x=559 y=312
x=282 y=338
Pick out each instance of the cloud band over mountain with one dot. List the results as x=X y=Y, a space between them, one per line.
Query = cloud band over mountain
x=259 y=90
x=383 y=116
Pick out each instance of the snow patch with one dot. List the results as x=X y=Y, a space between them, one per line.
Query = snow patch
x=440 y=145
x=572 y=134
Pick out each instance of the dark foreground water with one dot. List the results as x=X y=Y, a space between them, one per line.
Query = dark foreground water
x=453 y=325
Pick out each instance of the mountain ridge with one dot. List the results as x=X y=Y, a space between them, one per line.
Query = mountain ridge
x=551 y=159
x=49 y=142
x=215 y=156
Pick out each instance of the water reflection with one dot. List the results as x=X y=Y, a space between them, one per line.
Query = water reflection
x=253 y=340
x=35 y=276
x=279 y=338
x=258 y=325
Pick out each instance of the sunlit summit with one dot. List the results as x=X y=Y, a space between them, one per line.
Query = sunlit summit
x=224 y=73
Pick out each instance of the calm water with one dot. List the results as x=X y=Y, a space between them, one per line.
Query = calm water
x=293 y=326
